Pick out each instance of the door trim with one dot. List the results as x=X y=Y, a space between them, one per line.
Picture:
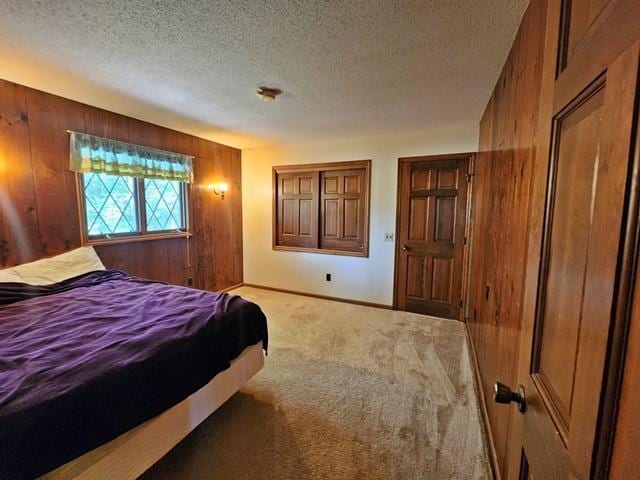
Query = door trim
x=470 y=156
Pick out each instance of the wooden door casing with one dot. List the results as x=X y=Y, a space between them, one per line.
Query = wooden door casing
x=430 y=233
x=573 y=285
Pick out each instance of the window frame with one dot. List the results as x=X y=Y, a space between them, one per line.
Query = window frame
x=317 y=169
x=141 y=212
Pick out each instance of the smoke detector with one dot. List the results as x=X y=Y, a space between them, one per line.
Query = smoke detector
x=267 y=94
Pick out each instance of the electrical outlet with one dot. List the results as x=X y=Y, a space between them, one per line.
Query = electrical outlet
x=388 y=237
x=328 y=277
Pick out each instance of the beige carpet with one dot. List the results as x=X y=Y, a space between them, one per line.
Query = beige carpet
x=348 y=392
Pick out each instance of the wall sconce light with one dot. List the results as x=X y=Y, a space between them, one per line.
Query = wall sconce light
x=219 y=189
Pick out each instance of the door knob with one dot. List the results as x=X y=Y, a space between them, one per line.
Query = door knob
x=404 y=248
x=503 y=394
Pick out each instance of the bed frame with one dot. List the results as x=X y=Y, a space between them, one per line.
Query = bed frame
x=132 y=453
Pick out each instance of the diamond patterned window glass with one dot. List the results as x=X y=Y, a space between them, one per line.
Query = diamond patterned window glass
x=164 y=205
x=110 y=204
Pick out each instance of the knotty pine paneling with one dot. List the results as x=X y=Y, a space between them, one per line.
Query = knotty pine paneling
x=38 y=197
x=503 y=173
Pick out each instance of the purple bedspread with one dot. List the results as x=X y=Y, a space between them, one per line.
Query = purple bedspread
x=85 y=360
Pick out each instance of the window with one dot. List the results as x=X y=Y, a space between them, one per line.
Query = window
x=164 y=205
x=110 y=204
x=129 y=190
x=322 y=208
x=124 y=206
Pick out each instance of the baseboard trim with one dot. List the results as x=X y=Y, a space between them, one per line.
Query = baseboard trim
x=483 y=405
x=323 y=297
x=231 y=287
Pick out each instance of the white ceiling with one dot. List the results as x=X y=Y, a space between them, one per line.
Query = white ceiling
x=346 y=68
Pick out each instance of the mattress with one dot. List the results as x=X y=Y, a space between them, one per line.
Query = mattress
x=87 y=359
x=131 y=454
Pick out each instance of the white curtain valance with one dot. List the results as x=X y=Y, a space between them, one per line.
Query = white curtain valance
x=102 y=155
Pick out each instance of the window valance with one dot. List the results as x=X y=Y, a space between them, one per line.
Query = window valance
x=89 y=153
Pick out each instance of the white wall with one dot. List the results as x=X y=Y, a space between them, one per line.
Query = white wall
x=366 y=279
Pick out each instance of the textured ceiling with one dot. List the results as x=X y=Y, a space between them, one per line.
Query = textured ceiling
x=346 y=68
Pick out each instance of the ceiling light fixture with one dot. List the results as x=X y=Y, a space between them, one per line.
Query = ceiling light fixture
x=267 y=94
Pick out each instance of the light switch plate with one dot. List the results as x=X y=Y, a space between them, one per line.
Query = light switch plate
x=388 y=237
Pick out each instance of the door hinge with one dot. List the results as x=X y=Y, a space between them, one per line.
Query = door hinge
x=469 y=175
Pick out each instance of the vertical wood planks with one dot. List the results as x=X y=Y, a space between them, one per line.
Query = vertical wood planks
x=19 y=235
x=39 y=214
x=503 y=173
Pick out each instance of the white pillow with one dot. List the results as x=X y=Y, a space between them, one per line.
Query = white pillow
x=10 y=276
x=56 y=269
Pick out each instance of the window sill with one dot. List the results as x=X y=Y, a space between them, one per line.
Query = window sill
x=137 y=238
x=345 y=253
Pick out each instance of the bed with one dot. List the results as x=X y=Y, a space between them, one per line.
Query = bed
x=102 y=373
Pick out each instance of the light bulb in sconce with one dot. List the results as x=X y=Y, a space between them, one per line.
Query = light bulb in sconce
x=220 y=189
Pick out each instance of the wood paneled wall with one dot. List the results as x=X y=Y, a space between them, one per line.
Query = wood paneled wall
x=503 y=173
x=38 y=198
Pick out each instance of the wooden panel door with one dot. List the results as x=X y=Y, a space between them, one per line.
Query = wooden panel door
x=297 y=215
x=574 y=292
x=432 y=197
x=342 y=209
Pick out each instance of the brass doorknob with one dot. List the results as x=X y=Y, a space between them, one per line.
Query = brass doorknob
x=503 y=394
x=404 y=248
